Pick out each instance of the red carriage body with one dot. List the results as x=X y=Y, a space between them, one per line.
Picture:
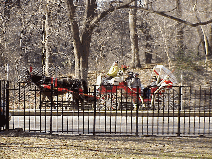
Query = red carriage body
x=154 y=96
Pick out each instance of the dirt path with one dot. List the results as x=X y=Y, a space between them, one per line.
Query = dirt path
x=15 y=144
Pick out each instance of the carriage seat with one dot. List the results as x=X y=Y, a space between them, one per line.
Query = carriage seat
x=114 y=81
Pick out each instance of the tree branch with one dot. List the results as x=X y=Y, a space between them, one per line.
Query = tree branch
x=175 y=18
x=75 y=28
x=103 y=14
x=100 y=16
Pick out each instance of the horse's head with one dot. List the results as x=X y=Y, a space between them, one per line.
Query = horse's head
x=26 y=80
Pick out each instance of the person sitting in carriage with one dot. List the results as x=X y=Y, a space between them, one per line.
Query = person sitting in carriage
x=135 y=83
x=165 y=83
x=129 y=78
x=113 y=71
x=150 y=88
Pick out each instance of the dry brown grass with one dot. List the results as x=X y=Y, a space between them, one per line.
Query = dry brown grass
x=15 y=144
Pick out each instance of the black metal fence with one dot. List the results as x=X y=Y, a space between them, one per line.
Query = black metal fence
x=179 y=111
x=4 y=105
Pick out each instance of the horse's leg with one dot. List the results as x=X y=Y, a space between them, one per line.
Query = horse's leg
x=69 y=99
x=49 y=97
x=76 y=103
x=82 y=102
x=42 y=100
x=76 y=100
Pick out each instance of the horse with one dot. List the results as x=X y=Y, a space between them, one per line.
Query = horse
x=77 y=87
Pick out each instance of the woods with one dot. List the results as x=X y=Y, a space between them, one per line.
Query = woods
x=82 y=36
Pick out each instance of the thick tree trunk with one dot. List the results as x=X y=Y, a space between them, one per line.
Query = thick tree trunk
x=81 y=42
x=81 y=51
x=134 y=38
x=86 y=40
x=76 y=38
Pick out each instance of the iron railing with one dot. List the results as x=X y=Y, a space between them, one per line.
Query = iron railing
x=4 y=105
x=181 y=111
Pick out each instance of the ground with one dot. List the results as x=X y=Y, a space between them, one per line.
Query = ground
x=18 y=144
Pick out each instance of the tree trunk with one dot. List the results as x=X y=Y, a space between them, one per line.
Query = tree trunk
x=203 y=38
x=134 y=38
x=45 y=51
x=210 y=41
x=86 y=40
x=82 y=42
x=148 y=56
x=47 y=54
x=76 y=38
x=179 y=33
x=7 y=7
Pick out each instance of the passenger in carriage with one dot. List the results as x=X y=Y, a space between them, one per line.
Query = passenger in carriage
x=165 y=83
x=135 y=82
x=150 y=88
x=153 y=82
x=129 y=78
x=113 y=71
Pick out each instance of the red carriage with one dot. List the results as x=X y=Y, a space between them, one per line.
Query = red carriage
x=116 y=94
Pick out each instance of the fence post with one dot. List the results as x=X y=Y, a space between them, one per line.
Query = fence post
x=7 y=105
x=94 y=110
x=0 y=92
x=51 y=98
x=137 y=111
x=179 y=108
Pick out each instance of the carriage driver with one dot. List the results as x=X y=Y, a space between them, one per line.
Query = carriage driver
x=113 y=70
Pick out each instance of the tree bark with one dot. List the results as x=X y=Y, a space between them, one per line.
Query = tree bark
x=179 y=32
x=210 y=41
x=134 y=37
x=7 y=7
x=46 y=49
x=148 y=56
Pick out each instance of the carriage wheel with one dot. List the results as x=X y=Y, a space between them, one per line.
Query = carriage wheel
x=125 y=102
x=107 y=101
x=166 y=99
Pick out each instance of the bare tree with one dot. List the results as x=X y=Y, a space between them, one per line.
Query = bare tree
x=82 y=40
